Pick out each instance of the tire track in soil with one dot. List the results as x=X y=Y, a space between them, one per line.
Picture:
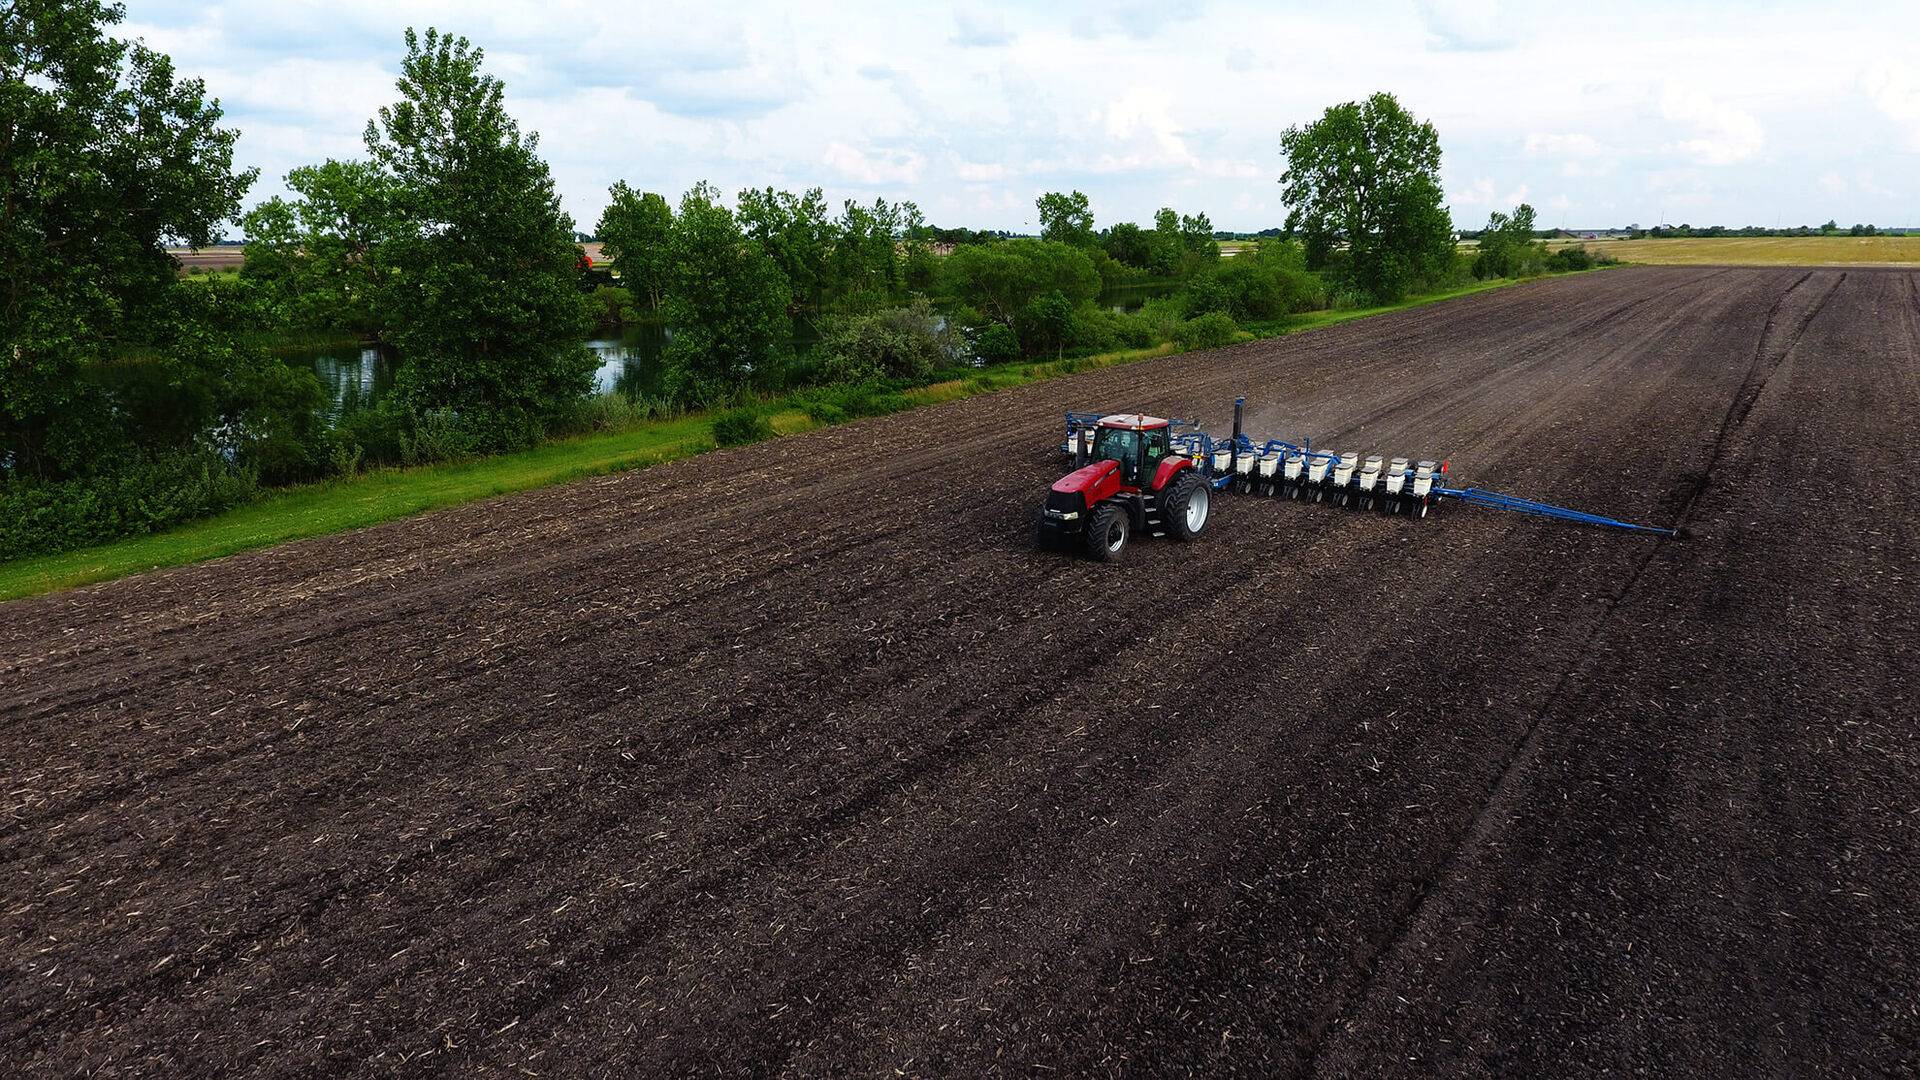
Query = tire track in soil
x=1484 y=825
x=493 y=826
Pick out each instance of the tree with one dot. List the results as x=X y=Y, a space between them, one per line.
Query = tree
x=1128 y=243
x=1045 y=323
x=318 y=255
x=726 y=301
x=796 y=233
x=1065 y=218
x=918 y=265
x=1168 y=246
x=1000 y=280
x=1367 y=174
x=1196 y=235
x=633 y=231
x=105 y=158
x=1507 y=246
x=482 y=299
x=866 y=266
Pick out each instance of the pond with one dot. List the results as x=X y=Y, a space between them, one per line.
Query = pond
x=355 y=376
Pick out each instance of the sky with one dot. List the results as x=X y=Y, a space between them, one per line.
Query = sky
x=1599 y=115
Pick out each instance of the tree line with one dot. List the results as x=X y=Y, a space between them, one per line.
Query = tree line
x=135 y=398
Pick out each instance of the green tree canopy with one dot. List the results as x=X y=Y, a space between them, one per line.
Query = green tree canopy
x=634 y=230
x=1196 y=236
x=1507 y=247
x=795 y=231
x=482 y=301
x=1367 y=174
x=319 y=253
x=1000 y=280
x=1127 y=243
x=866 y=264
x=726 y=301
x=1066 y=218
x=105 y=158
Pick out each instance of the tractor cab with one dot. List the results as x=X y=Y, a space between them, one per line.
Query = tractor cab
x=1137 y=443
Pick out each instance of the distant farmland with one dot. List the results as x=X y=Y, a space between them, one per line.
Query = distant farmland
x=1764 y=250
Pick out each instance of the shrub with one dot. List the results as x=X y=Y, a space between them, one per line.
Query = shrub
x=343 y=457
x=838 y=404
x=1264 y=286
x=827 y=412
x=1045 y=324
x=1204 y=296
x=1576 y=257
x=145 y=495
x=605 y=412
x=1209 y=331
x=436 y=435
x=377 y=430
x=1002 y=279
x=1348 y=298
x=1159 y=318
x=738 y=427
x=1507 y=246
x=895 y=343
x=613 y=306
x=997 y=344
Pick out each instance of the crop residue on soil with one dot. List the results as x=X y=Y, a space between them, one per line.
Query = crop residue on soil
x=796 y=758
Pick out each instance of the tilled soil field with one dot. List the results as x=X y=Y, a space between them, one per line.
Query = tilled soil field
x=798 y=758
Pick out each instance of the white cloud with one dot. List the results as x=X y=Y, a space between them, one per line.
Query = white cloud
x=1723 y=135
x=980 y=29
x=1576 y=154
x=1565 y=146
x=865 y=168
x=1864 y=182
x=1144 y=116
x=1895 y=91
x=1469 y=25
x=1484 y=192
x=1140 y=104
x=1832 y=183
x=1480 y=193
x=980 y=173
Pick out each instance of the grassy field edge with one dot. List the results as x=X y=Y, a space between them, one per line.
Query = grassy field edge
x=382 y=495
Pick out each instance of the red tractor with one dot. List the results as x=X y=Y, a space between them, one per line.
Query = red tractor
x=1130 y=480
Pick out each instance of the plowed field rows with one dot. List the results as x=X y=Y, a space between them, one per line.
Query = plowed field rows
x=797 y=758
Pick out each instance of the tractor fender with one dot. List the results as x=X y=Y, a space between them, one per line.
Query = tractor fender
x=1170 y=469
x=1097 y=482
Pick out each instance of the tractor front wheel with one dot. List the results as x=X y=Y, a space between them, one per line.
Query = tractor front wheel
x=1108 y=530
x=1186 y=506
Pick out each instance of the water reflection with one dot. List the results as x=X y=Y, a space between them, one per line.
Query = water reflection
x=352 y=377
x=356 y=376
x=630 y=363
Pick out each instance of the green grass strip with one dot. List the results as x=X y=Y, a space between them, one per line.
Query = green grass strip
x=386 y=494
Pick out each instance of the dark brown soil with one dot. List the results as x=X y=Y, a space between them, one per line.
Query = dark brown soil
x=798 y=759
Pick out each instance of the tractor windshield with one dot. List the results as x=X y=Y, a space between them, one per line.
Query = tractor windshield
x=1121 y=445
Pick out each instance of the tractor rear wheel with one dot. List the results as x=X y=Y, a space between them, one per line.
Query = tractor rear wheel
x=1108 y=530
x=1185 y=507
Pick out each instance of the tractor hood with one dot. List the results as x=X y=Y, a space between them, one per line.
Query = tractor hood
x=1096 y=481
